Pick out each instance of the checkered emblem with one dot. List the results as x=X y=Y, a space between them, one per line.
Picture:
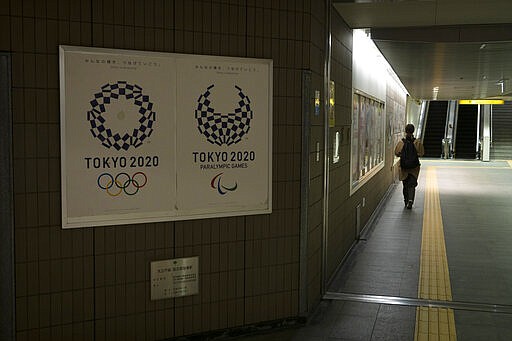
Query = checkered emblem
x=96 y=118
x=223 y=128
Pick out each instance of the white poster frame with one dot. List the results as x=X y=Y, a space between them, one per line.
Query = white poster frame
x=176 y=214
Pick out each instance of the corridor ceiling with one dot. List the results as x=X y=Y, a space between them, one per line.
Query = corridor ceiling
x=462 y=47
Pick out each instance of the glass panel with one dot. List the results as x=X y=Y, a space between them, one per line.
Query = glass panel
x=368 y=144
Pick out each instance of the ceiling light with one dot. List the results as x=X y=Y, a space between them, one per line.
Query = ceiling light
x=435 y=91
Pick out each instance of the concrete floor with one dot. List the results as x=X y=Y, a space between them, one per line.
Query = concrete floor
x=477 y=218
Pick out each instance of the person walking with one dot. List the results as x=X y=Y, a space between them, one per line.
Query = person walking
x=409 y=149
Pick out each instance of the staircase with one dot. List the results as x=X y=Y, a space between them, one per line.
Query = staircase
x=501 y=148
x=434 y=128
x=466 y=134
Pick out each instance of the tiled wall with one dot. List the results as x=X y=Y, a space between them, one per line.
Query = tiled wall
x=342 y=205
x=396 y=107
x=93 y=283
x=341 y=231
x=316 y=162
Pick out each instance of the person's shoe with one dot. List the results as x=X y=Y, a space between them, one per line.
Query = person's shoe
x=409 y=204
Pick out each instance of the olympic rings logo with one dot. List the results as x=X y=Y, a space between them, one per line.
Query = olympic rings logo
x=122 y=182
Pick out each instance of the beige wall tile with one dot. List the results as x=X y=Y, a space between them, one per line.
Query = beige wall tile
x=83 y=10
x=140 y=266
x=75 y=33
x=108 y=36
x=28 y=37
x=16 y=31
x=64 y=32
x=97 y=34
x=85 y=33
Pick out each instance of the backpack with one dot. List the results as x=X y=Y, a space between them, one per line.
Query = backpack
x=409 y=156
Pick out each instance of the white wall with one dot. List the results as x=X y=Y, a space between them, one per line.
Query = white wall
x=368 y=67
x=413 y=111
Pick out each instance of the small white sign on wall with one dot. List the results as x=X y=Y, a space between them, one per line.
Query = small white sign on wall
x=174 y=278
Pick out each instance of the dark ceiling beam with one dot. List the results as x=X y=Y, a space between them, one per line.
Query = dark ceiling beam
x=366 y=14
x=447 y=34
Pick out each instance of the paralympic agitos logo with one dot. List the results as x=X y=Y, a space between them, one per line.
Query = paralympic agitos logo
x=216 y=183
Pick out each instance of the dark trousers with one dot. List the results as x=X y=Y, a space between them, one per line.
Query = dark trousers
x=409 y=190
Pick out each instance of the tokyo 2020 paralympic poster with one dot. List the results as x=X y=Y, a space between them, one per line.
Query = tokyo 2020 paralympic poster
x=149 y=137
x=224 y=135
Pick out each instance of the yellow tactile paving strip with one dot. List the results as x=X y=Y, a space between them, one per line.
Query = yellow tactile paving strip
x=510 y=163
x=434 y=282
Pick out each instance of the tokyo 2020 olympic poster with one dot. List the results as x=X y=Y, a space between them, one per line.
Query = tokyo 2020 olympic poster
x=224 y=135
x=149 y=137
x=117 y=119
